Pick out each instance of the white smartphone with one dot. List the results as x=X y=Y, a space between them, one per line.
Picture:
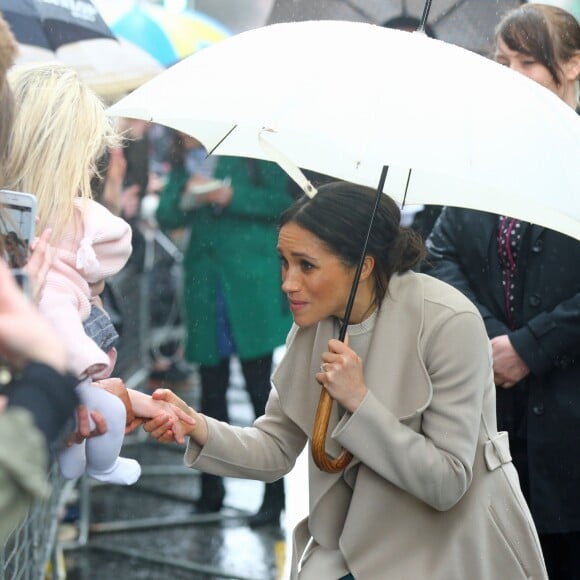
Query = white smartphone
x=17 y=226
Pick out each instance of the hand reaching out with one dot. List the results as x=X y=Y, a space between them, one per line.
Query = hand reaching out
x=163 y=431
x=175 y=418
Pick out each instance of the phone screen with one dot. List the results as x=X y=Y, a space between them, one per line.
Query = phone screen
x=17 y=222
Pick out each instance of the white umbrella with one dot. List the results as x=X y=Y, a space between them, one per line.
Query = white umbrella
x=346 y=98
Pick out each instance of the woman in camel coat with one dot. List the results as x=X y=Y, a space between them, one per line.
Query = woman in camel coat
x=431 y=491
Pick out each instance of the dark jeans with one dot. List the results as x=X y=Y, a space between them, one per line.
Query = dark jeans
x=215 y=381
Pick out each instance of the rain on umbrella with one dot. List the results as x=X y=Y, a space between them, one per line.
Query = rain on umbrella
x=53 y=23
x=167 y=36
x=453 y=128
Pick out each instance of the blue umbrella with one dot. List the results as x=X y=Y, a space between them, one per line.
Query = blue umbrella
x=167 y=36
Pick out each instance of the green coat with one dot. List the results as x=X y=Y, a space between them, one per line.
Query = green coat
x=236 y=248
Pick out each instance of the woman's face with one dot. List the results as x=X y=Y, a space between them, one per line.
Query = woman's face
x=316 y=282
x=526 y=65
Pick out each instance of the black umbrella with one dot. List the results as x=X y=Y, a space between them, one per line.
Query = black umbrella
x=467 y=23
x=53 y=23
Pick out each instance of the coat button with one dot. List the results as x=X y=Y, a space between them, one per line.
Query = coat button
x=537 y=247
x=564 y=361
x=538 y=409
x=535 y=300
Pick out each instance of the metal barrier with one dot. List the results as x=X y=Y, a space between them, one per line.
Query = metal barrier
x=32 y=552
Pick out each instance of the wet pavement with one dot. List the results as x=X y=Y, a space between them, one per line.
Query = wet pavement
x=150 y=531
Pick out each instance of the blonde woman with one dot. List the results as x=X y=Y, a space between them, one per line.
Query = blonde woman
x=60 y=132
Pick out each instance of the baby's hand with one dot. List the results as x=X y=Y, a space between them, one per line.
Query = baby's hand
x=178 y=423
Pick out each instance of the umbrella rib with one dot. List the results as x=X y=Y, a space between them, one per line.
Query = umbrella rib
x=221 y=141
x=426 y=10
x=449 y=11
x=406 y=189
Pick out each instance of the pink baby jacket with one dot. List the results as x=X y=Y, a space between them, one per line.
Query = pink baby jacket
x=94 y=246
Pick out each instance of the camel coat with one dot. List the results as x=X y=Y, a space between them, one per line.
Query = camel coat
x=431 y=491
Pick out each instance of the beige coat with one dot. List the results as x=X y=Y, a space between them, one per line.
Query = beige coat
x=431 y=492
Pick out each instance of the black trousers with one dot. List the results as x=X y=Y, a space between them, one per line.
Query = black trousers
x=215 y=381
x=561 y=551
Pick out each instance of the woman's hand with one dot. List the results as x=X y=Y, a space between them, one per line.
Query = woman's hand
x=342 y=375
x=38 y=264
x=84 y=426
x=161 y=428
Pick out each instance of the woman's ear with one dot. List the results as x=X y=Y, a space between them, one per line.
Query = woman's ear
x=368 y=267
x=571 y=68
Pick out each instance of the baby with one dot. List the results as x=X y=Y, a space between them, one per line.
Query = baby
x=94 y=246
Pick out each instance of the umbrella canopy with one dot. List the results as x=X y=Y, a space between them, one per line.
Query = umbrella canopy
x=51 y=24
x=454 y=127
x=112 y=68
x=167 y=36
x=467 y=23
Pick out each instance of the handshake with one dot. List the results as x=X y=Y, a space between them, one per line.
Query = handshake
x=163 y=414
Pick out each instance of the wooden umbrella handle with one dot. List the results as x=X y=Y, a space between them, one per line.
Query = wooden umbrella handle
x=322 y=460
x=320 y=428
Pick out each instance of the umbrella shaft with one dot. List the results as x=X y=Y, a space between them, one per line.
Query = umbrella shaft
x=353 y=290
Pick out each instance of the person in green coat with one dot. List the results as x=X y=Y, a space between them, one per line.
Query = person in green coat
x=233 y=303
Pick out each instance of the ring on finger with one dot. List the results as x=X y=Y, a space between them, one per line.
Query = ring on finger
x=323 y=368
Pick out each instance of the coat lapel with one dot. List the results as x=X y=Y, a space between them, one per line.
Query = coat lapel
x=394 y=353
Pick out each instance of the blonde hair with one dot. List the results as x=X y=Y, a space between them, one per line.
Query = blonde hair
x=60 y=131
x=8 y=52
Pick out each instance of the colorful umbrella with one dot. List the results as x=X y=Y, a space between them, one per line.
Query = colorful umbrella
x=167 y=36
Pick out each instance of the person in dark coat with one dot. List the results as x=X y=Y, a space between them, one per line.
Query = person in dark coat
x=525 y=281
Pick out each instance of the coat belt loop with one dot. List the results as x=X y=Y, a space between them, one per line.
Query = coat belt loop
x=497 y=451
